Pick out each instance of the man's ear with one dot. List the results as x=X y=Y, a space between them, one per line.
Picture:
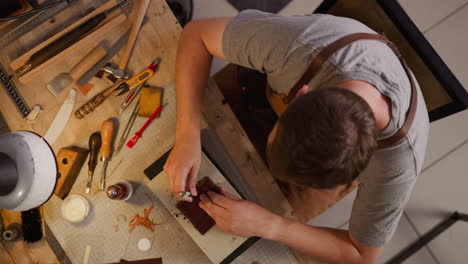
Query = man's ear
x=304 y=89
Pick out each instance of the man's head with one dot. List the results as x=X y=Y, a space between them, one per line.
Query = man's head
x=325 y=138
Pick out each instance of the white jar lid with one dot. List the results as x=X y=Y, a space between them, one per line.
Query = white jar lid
x=75 y=208
x=144 y=244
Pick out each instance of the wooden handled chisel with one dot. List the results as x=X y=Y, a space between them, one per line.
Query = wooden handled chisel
x=107 y=133
x=94 y=146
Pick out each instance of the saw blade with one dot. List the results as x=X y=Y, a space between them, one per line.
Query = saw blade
x=61 y=118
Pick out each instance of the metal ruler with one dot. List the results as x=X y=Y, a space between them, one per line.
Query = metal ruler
x=13 y=93
x=20 y=29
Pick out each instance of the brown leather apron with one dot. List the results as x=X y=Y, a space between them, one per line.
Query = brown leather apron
x=279 y=102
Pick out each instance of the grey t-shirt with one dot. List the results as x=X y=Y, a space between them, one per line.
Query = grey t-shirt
x=284 y=47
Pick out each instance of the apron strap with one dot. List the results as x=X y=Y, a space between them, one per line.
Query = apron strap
x=326 y=52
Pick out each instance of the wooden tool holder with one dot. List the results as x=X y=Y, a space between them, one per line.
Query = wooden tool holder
x=69 y=161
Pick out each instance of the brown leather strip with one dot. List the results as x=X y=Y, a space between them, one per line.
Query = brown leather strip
x=326 y=52
x=401 y=133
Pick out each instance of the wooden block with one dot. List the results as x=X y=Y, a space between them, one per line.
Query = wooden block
x=69 y=160
x=150 y=99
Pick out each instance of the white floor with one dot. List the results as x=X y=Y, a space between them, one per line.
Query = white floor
x=442 y=187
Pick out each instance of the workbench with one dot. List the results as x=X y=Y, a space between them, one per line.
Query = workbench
x=222 y=136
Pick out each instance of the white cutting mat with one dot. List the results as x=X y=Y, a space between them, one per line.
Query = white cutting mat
x=170 y=240
x=216 y=244
x=106 y=227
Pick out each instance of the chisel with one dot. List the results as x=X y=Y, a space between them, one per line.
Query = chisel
x=94 y=146
x=107 y=133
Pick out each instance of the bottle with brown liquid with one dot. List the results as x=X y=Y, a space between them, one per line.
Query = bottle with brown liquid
x=120 y=191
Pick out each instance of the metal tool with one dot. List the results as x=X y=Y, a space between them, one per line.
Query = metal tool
x=94 y=146
x=61 y=119
x=96 y=101
x=65 y=41
x=116 y=47
x=135 y=138
x=129 y=99
x=64 y=79
x=138 y=15
x=140 y=78
x=21 y=26
x=14 y=94
x=185 y=194
x=107 y=133
x=117 y=73
x=128 y=127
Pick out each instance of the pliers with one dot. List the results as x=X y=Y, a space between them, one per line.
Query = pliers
x=139 y=79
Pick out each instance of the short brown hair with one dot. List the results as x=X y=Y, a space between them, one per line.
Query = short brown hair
x=325 y=138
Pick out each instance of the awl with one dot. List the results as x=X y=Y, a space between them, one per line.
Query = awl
x=94 y=146
x=107 y=133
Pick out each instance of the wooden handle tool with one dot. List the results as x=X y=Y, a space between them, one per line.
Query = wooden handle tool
x=87 y=62
x=61 y=81
x=107 y=133
x=94 y=146
x=138 y=14
x=96 y=101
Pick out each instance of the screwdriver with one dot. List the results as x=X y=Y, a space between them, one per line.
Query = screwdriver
x=94 y=146
x=107 y=132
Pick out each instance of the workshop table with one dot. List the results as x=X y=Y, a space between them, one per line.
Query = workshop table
x=157 y=38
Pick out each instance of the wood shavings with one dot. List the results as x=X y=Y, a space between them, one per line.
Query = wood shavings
x=137 y=220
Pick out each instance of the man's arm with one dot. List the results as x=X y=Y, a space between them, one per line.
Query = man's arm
x=244 y=218
x=325 y=244
x=199 y=41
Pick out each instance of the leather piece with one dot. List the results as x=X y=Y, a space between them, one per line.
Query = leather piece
x=143 y=261
x=199 y=218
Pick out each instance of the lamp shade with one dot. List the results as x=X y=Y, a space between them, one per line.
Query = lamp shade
x=28 y=171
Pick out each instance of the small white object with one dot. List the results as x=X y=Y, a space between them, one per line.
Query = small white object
x=34 y=114
x=144 y=244
x=86 y=254
x=75 y=208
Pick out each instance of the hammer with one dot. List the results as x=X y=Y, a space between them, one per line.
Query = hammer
x=138 y=14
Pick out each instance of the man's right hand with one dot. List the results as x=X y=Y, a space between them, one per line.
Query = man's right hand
x=182 y=167
x=199 y=41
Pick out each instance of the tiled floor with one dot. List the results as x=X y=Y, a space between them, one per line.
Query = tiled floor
x=442 y=185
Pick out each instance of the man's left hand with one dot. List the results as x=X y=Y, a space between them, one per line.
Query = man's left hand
x=239 y=217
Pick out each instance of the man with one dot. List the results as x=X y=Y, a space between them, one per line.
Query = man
x=327 y=138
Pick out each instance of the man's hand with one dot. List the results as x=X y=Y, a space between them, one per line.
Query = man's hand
x=199 y=41
x=182 y=167
x=238 y=217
